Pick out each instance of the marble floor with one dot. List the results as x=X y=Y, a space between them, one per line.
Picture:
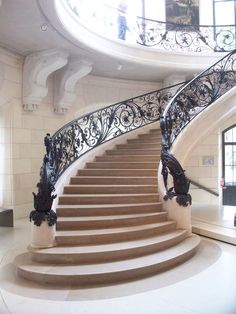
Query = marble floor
x=214 y=221
x=204 y=284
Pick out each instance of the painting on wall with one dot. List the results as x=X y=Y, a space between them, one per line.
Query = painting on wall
x=182 y=11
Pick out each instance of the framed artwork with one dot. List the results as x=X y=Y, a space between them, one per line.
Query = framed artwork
x=182 y=11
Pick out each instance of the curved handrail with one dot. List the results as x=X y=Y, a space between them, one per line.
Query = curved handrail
x=198 y=94
x=165 y=35
x=187 y=103
x=87 y=132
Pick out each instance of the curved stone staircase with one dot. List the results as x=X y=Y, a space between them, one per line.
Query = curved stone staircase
x=111 y=227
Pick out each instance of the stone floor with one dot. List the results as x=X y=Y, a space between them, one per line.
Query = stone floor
x=214 y=221
x=204 y=284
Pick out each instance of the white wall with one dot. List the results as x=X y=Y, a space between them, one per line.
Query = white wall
x=208 y=175
x=22 y=132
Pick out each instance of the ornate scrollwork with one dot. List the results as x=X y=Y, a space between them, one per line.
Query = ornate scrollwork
x=181 y=184
x=164 y=35
x=188 y=102
x=83 y=134
x=93 y=129
x=44 y=198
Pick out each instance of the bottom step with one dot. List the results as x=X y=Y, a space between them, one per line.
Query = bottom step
x=106 y=273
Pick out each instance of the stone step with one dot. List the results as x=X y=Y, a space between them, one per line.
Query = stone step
x=67 y=199
x=104 y=253
x=114 y=180
x=118 y=172
x=112 y=235
x=156 y=131
x=150 y=151
x=127 y=158
x=107 y=209
x=106 y=273
x=102 y=222
x=138 y=146
x=150 y=136
x=122 y=165
x=109 y=189
x=153 y=141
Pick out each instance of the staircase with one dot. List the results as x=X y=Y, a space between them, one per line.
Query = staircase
x=111 y=227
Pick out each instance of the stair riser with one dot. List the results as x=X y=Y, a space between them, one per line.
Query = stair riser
x=134 y=152
x=138 y=146
x=109 y=189
x=122 y=165
x=113 y=199
x=118 y=172
x=116 y=223
x=145 y=141
x=127 y=158
x=113 y=237
x=107 y=256
x=104 y=211
x=114 y=180
x=150 y=136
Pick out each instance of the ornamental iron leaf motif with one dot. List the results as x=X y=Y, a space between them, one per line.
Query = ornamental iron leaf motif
x=187 y=103
x=44 y=198
x=87 y=132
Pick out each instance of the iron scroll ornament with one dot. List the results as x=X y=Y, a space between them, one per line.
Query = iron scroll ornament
x=85 y=133
x=187 y=103
x=44 y=198
x=181 y=183
x=163 y=35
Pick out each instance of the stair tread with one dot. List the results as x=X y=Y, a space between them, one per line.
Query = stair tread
x=69 y=233
x=111 y=246
x=95 y=218
x=105 y=205
x=108 y=195
x=110 y=185
x=23 y=262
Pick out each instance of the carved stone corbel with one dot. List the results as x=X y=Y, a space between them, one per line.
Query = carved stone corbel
x=37 y=67
x=65 y=82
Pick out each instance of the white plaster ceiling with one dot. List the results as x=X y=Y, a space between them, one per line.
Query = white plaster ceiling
x=21 y=31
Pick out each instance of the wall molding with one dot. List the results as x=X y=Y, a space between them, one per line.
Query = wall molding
x=65 y=83
x=36 y=70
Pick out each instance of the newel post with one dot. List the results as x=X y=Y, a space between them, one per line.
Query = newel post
x=177 y=199
x=43 y=218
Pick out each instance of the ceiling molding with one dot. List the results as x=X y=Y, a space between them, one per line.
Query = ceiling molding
x=36 y=70
x=65 y=82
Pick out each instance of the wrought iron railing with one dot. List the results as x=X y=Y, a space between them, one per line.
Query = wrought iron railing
x=185 y=38
x=85 y=133
x=187 y=103
x=148 y=32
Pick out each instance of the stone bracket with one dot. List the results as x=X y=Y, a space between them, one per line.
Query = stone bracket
x=65 y=82
x=37 y=67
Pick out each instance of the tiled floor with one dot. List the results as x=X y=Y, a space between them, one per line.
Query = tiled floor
x=204 y=284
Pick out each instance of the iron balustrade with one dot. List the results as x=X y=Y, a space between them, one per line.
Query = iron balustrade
x=88 y=132
x=154 y=33
x=187 y=103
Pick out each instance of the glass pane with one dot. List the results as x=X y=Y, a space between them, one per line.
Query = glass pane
x=228 y=175
x=234 y=134
x=229 y=136
x=224 y=13
x=228 y=155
